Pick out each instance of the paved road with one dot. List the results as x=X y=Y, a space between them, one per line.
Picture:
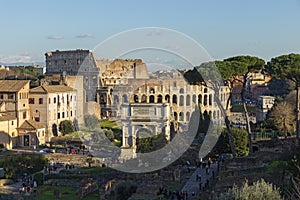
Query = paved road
x=192 y=185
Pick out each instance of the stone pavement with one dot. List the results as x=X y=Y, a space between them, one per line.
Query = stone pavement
x=192 y=185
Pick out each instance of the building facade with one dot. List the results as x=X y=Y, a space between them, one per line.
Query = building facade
x=75 y=63
x=264 y=104
x=51 y=104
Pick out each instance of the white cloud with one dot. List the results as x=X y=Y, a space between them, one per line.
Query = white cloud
x=85 y=35
x=55 y=37
x=7 y=59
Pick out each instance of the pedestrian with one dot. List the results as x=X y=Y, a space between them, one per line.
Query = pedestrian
x=199 y=177
x=206 y=170
x=200 y=185
x=213 y=174
x=200 y=163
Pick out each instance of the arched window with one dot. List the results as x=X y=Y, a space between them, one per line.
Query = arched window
x=159 y=99
x=188 y=116
x=144 y=99
x=205 y=90
x=152 y=91
x=175 y=99
x=151 y=99
x=136 y=98
x=181 y=116
x=194 y=98
x=199 y=99
x=181 y=100
x=167 y=98
x=181 y=91
x=175 y=116
x=205 y=100
x=188 y=100
x=210 y=99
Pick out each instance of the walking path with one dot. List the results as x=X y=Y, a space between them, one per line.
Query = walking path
x=193 y=184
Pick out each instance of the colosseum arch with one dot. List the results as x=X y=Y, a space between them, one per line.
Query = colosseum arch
x=144 y=99
x=174 y=98
x=151 y=99
x=159 y=98
x=167 y=98
x=194 y=98
x=188 y=100
x=181 y=116
x=181 y=100
x=205 y=100
x=199 y=99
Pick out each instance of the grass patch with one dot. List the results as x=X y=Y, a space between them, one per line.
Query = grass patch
x=239 y=108
x=89 y=170
x=108 y=124
x=67 y=193
x=174 y=186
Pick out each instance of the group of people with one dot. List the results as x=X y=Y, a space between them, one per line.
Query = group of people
x=28 y=185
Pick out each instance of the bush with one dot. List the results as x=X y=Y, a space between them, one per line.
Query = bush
x=259 y=190
x=66 y=127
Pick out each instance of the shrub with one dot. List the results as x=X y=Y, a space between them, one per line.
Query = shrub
x=66 y=127
x=259 y=190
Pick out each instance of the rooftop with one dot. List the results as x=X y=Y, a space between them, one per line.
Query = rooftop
x=31 y=125
x=51 y=89
x=12 y=85
x=6 y=117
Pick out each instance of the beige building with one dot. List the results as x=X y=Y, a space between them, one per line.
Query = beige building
x=14 y=99
x=51 y=104
x=8 y=131
x=31 y=134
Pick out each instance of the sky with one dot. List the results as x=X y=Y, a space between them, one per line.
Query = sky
x=263 y=28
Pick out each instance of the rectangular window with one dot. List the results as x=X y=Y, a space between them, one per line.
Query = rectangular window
x=40 y=100
x=63 y=114
x=1 y=96
x=174 y=84
x=31 y=100
x=24 y=115
x=12 y=122
x=49 y=100
x=11 y=96
x=58 y=115
x=54 y=100
x=71 y=113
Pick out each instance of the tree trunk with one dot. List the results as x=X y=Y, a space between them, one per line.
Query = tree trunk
x=248 y=127
x=297 y=115
x=227 y=122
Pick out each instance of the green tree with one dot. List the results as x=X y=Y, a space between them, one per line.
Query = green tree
x=258 y=191
x=66 y=127
x=241 y=69
x=208 y=74
x=287 y=67
x=240 y=138
x=91 y=121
